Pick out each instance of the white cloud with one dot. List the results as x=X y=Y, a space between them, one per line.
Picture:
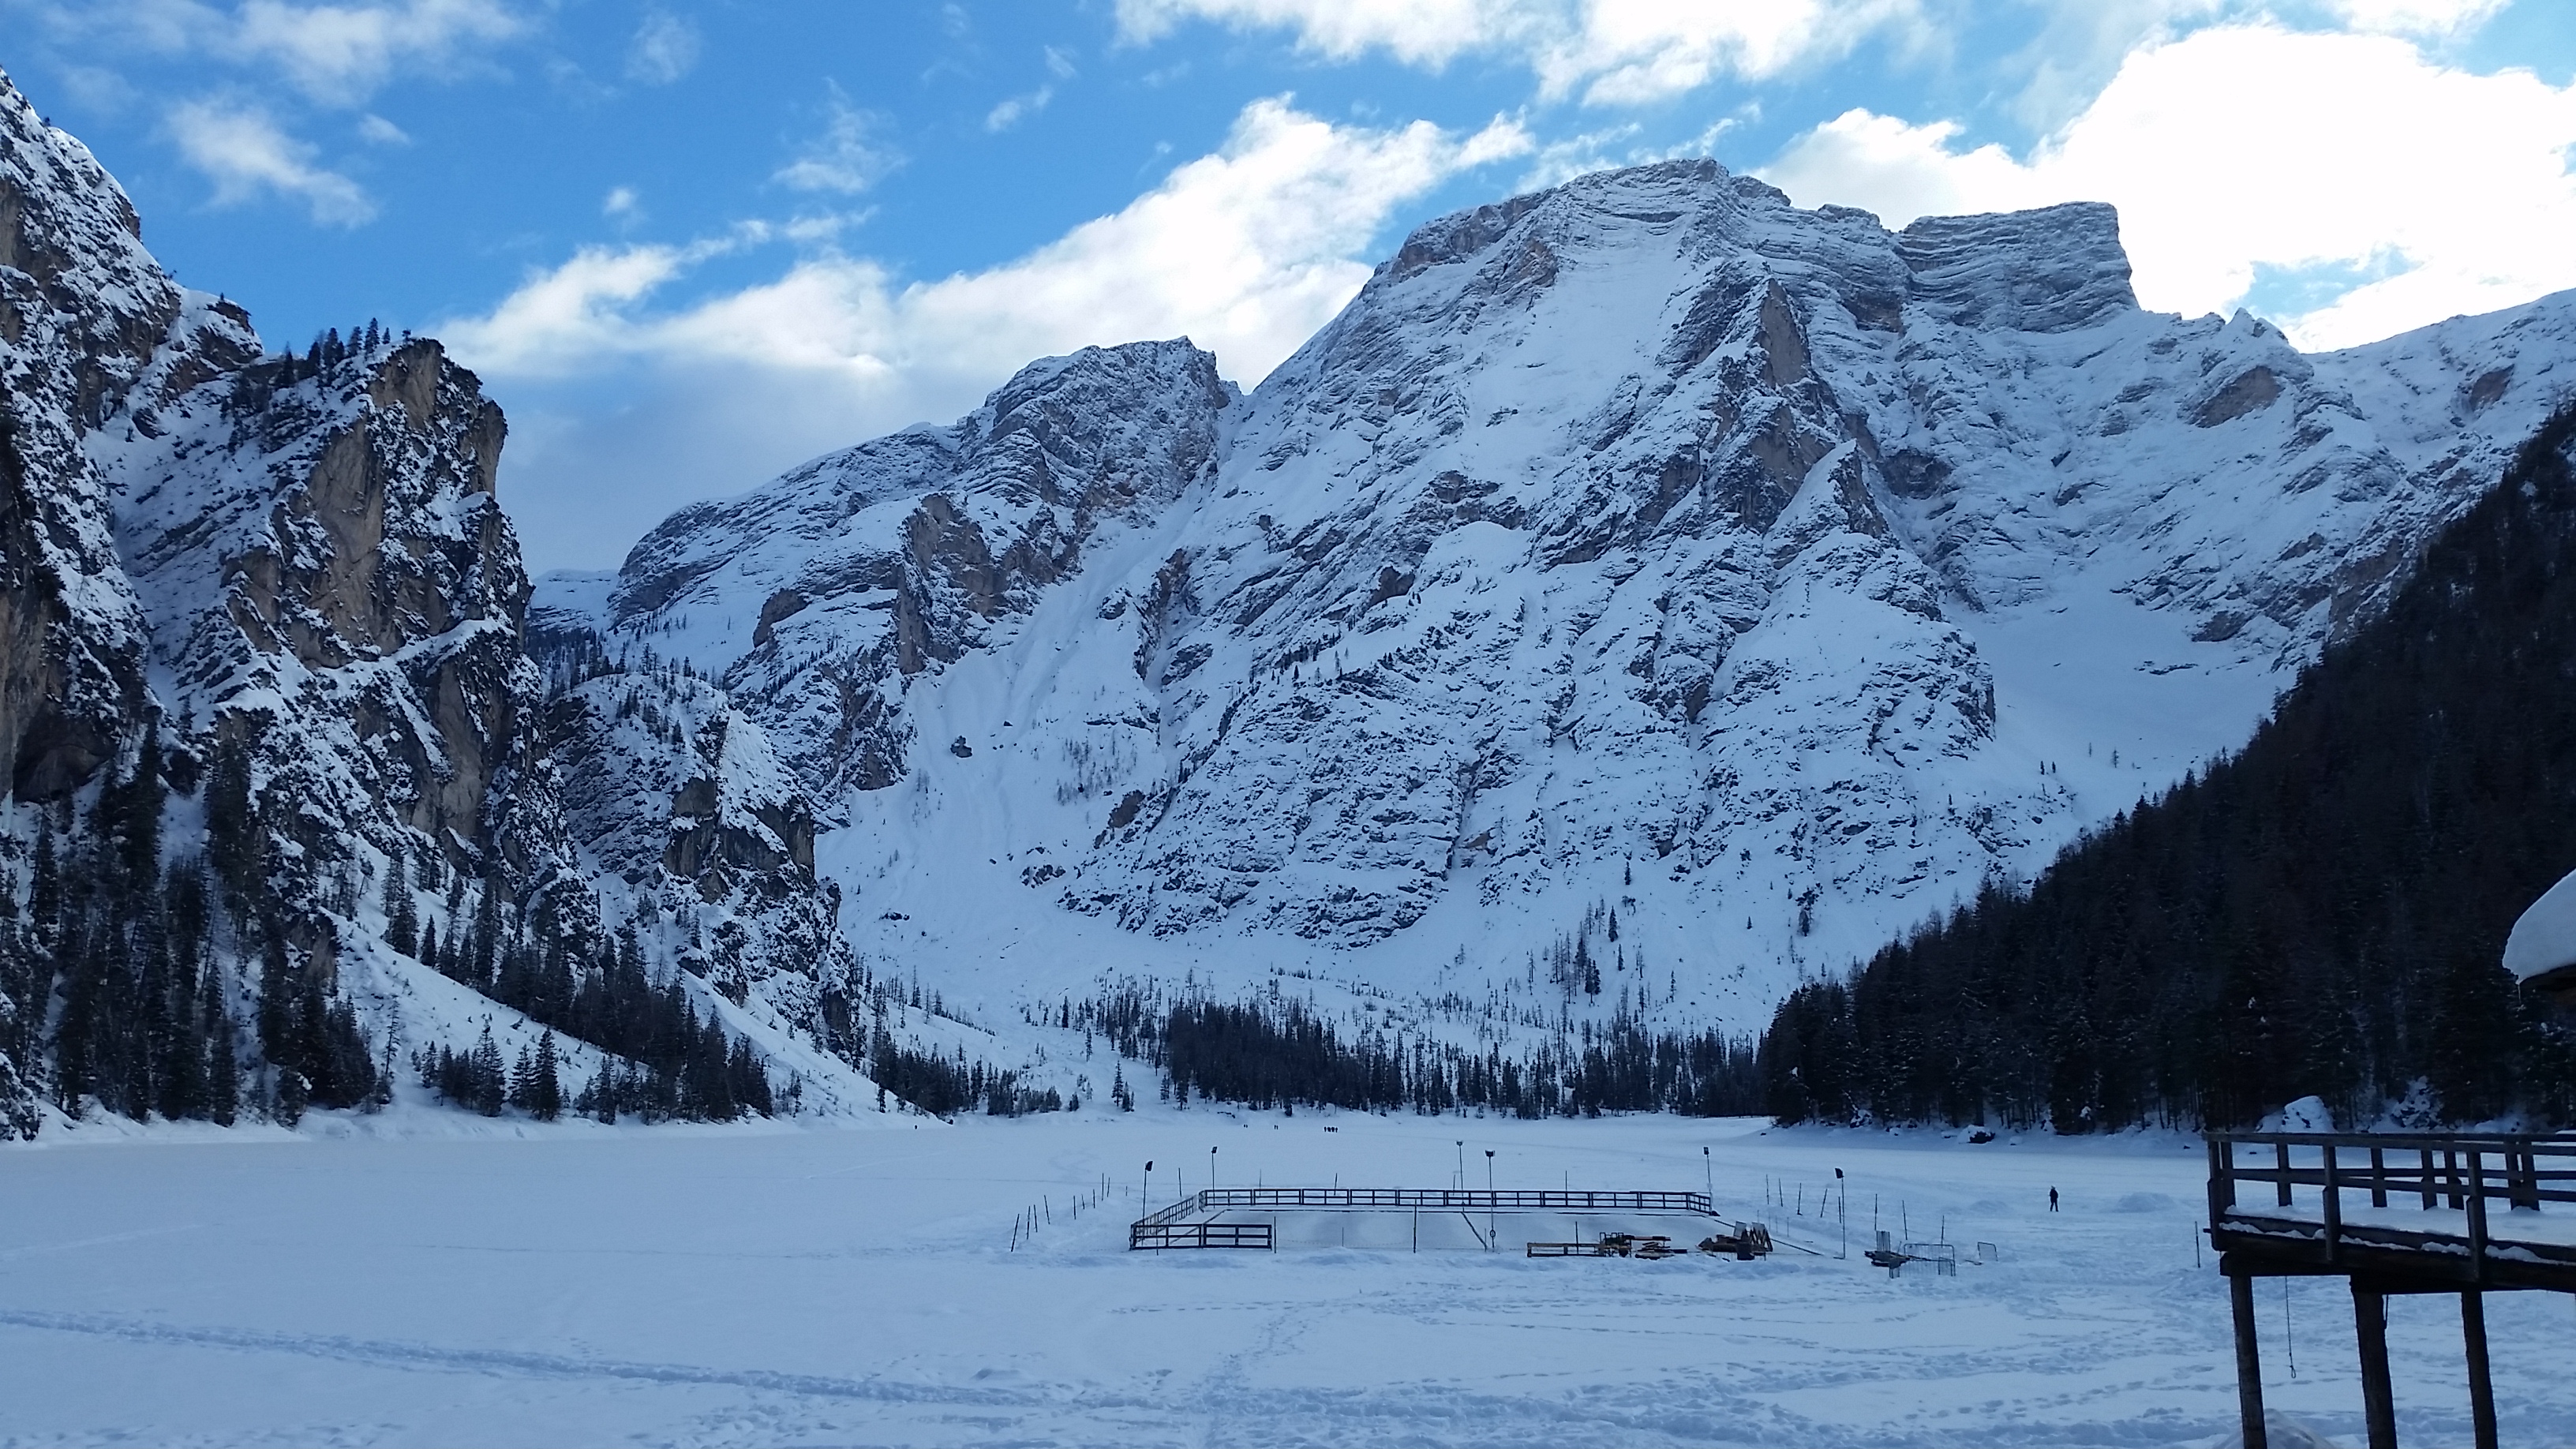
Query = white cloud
x=665 y=48
x=2415 y=17
x=1028 y=103
x=847 y=157
x=245 y=154
x=1018 y=108
x=2248 y=147
x=1612 y=52
x=1561 y=161
x=344 y=53
x=620 y=204
x=1247 y=251
x=377 y=131
x=338 y=54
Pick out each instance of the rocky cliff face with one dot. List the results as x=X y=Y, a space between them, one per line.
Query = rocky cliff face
x=89 y=325
x=869 y=567
x=280 y=592
x=325 y=571
x=1646 y=545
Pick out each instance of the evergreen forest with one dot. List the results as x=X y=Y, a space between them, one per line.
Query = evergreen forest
x=2321 y=913
x=1277 y=1052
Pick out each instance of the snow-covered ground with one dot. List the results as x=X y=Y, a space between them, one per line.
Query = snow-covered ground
x=858 y=1285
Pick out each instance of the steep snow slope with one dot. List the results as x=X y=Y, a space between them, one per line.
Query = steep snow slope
x=1646 y=545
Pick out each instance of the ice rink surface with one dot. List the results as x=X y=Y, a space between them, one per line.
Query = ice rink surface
x=860 y=1286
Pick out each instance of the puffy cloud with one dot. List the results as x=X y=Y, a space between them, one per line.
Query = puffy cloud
x=2247 y=155
x=245 y=154
x=1248 y=250
x=665 y=48
x=1610 y=51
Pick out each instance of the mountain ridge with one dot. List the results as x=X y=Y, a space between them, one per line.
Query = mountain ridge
x=1647 y=524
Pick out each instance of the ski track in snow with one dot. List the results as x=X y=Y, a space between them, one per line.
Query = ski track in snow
x=855 y=1287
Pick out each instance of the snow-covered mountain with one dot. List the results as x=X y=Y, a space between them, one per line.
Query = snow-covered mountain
x=263 y=636
x=1645 y=546
x=1643 y=580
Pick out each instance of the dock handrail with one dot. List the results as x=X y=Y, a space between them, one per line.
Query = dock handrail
x=2463 y=1172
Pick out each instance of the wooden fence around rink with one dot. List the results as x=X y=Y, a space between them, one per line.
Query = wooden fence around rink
x=1200 y=1235
x=1170 y=1227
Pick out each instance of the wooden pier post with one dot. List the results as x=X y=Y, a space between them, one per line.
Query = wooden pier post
x=2473 y=1328
x=2249 y=1363
x=2378 y=1396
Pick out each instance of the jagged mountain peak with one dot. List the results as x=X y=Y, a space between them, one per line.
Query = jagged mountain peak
x=1796 y=574
x=817 y=596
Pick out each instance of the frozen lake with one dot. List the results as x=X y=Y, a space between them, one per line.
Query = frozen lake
x=858 y=1286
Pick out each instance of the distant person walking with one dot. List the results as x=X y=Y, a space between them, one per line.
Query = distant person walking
x=2052 y=1199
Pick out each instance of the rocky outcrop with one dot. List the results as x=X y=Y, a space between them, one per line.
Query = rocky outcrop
x=821 y=596
x=82 y=310
x=676 y=795
x=323 y=564
x=283 y=588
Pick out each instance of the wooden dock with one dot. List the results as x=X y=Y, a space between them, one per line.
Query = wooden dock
x=2444 y=1213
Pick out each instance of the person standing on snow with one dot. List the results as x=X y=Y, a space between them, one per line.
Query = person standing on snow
x=2052 y=1199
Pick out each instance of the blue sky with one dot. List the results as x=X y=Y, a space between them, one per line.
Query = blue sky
x=690 y=244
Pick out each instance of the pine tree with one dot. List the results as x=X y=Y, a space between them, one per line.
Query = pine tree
x=223 y=1071
x=139 y=811
x=45 y=895
x=545 y=1085
x=291 y=1096
x=489 y=1082
x=234 y=844
x=402 y=913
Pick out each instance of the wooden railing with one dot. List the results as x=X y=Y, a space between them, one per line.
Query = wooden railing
x=1199 y=1235
x=2462 y=1172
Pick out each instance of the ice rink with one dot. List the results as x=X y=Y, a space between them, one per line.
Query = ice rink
x=861 y=1286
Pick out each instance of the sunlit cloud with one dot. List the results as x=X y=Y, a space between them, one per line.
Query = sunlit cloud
x=1247 y=250
x=2240 y=152
x=246 y=155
